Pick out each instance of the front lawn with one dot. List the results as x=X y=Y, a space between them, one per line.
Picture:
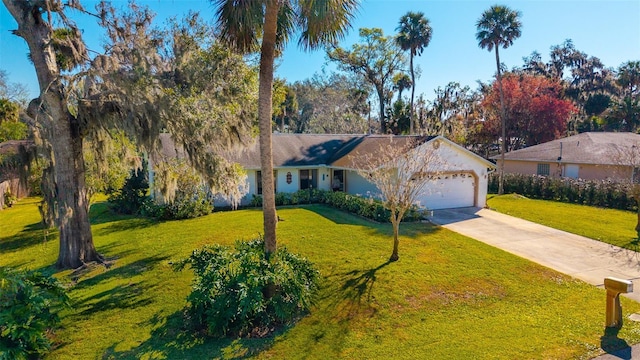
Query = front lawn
x=615 y=227
x=447 y=297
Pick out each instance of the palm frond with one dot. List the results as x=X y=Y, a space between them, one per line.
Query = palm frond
x=240 y=22
x=498 y=26
x=324 y=21
x=287 y=20
x=414 y=32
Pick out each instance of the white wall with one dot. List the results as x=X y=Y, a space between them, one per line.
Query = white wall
x=357 y=185
x=282 y=180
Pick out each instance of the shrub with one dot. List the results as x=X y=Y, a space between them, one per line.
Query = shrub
x=185 y=194
x=602 y=193
x=186 y=206
x=366 y=207
x=9 y=198
x=256 y=200
x=228 y=291
x=133 y=194
x=29 y=302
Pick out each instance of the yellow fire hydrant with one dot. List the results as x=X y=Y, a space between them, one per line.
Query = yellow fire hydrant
x=615 y=287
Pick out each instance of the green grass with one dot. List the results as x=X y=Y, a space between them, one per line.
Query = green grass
x=448 y=296
x=615 y=227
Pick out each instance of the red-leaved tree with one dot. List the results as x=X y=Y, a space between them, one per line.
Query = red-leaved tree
x=534 y=107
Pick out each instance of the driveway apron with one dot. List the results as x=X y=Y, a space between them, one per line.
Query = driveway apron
x=583 y=258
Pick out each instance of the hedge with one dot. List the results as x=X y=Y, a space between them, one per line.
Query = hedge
x=601 y=193
x=366 y=207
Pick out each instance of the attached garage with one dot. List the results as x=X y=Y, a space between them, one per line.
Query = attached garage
x=461 y=179
x=453 y=190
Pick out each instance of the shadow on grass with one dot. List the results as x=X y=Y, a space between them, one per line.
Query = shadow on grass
x=129 y=296
x=121 y=272
x=359 y=283
x=339 y=217
x=128 y=224
x=101 y=213
x=410 y=229
x=173 y=339
x=32 y=234
x=344 y=297
x=354 y=290
x=612 y=344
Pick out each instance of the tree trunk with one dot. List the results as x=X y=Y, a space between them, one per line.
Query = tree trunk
x=396 y=242
x=76 y=241
x=267 y=55
x=413 y=90
x=63 y=133
x=503 y=145
x=383 y=124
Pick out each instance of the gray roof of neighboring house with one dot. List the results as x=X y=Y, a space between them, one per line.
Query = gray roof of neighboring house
x=586 y=148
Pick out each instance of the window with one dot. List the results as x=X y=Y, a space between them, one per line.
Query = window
x=543 y=169
x=259 y=181
x=309 y=179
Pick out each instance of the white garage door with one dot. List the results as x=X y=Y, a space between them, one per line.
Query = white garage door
x=450 y=191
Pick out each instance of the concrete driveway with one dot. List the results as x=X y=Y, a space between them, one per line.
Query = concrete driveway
x=574 y=255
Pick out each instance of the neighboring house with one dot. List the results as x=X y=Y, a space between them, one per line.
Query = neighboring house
x=589 y=156
x=326 y=162
x=13 y=170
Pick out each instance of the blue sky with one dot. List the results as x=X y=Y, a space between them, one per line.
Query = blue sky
x=609 y=30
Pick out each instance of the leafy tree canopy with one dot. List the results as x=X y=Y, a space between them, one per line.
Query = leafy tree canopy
x=534 y=107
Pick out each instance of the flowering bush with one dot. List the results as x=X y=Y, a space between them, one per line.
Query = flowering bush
x=602 y=193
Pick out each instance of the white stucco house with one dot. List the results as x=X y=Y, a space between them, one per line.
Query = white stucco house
x=326 y=162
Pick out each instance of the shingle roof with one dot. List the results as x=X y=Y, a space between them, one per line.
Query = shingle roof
x=347 y=157
x=301 y=150
x=585 y=148
x=296 y=150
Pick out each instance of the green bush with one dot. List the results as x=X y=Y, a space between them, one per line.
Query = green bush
x=9 y=198
x=602 y=193
x=186 y=207
x=13 y=131
x=366 y=207
x=228 y=291
x=256 y=201
x=29 y=302
x=133 y=194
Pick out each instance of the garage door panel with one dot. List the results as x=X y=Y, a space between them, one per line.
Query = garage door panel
x=451 y=191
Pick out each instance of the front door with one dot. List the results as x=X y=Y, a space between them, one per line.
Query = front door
x=337 y=182
x=308 y=179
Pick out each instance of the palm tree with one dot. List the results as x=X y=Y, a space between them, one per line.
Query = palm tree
x=499 y=26
x=243 y=24
x=401 y=82
x=414 y=35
